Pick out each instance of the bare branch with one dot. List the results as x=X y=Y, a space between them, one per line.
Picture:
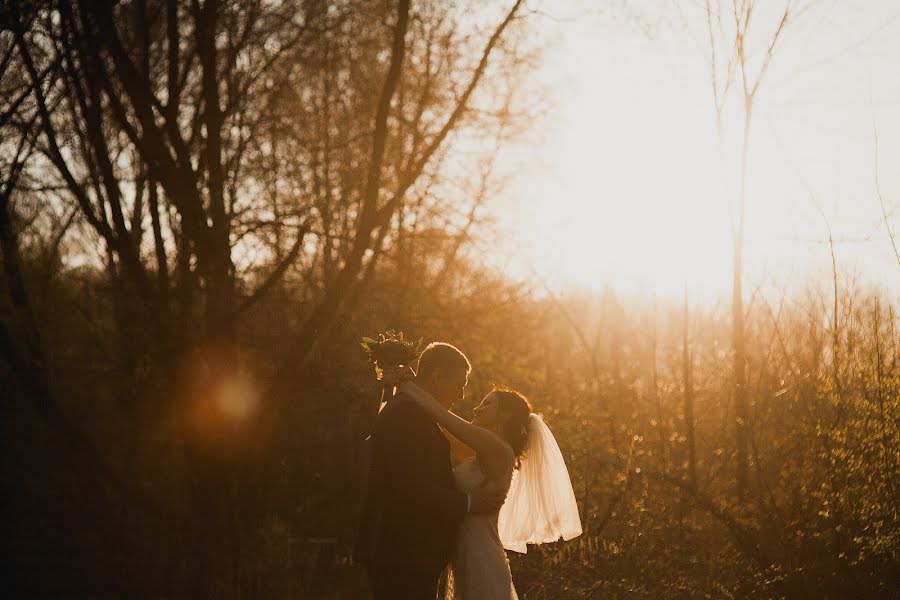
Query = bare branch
x=887 y=223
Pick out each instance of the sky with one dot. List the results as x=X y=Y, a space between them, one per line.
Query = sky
x=624 y=184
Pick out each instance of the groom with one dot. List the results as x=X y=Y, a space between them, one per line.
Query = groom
x=413 y=509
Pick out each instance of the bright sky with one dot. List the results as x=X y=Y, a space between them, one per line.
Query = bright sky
x=621 y=183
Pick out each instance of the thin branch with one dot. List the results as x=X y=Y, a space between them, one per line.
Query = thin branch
x=276 y=274
x=887 y=223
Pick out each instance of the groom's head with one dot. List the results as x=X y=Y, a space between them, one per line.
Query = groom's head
x=443 y=372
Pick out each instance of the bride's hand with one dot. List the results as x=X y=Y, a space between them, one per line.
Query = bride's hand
x=395 y=376
x=408 y=386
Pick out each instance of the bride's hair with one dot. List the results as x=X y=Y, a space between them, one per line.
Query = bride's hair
x=518 y=408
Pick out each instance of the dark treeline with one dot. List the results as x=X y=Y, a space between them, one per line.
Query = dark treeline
x=204 y=206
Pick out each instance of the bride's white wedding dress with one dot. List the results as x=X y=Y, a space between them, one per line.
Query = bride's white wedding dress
x=540 y=507
x=479 y=568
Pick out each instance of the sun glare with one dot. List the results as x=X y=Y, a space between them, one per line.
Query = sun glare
x=638 y=192
x=628 y=195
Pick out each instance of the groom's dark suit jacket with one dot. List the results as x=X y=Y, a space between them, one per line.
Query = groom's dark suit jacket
x=413 y=509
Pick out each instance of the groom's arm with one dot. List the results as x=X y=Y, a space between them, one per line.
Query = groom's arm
x=414 y=483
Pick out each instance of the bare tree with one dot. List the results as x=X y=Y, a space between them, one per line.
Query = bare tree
x=737 y=70
x=173 y=130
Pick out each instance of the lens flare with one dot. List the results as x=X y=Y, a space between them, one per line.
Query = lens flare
x=237 y=397
x=222 y=397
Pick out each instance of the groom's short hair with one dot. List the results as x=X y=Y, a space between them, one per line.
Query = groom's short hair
x=440 y=356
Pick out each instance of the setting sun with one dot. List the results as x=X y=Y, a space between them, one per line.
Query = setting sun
x=636 y=190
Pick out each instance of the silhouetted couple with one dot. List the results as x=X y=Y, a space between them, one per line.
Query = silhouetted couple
x=443 y=490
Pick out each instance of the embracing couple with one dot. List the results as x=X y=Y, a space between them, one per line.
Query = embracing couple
x=444 y=490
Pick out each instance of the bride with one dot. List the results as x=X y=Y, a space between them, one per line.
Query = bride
x=514 y=446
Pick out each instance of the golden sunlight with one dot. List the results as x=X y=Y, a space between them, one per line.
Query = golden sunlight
x=624 y=276
x=638 y=187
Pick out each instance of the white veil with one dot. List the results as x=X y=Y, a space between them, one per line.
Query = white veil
x=540 y=506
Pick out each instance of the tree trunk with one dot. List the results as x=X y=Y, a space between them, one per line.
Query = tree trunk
x=688 y=377
x=738 y=341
